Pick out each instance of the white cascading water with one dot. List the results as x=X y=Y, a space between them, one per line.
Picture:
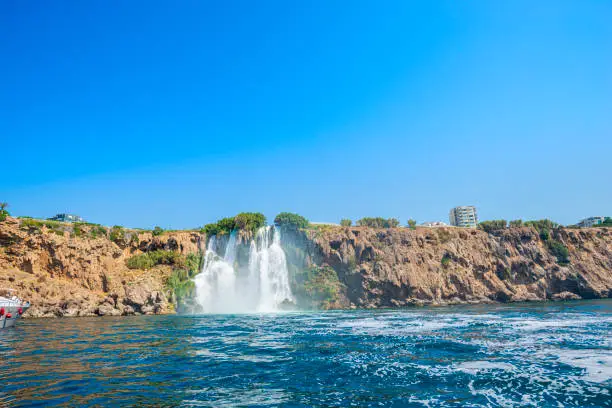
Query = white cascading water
x=220 y=288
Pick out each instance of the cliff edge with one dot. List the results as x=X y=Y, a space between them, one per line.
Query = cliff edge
x=66 y=275
x=82 y=270
x=400 y=266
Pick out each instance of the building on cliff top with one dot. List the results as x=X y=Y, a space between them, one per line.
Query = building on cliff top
x=67 y=218
x=591 y=222
x=464 y=216
x=434 y=224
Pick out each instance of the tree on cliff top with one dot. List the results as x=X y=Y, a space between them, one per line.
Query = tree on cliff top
x=412 y=223
x=3 y=212
x=493 y=225
x=249 y=221
x=290 y=220
x=246 y=221
x=378 y=222
x=346 y=222
x=516 y=223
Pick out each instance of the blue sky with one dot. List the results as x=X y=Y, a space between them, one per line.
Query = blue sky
x=146 y=113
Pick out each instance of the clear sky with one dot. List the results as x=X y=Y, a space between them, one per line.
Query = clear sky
x=145 y=113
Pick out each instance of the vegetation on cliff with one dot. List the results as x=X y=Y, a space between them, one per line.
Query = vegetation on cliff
x=3 y=211
x=180 y=283
x=246 y=221
x=184 y=268
x=317 y=286
x=148 y=260
x=346 y=222
x=545 y=228
x=378 y=222
x=291 y=221
x=493 y=225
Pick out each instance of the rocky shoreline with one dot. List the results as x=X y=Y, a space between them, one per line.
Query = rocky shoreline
x=67 y=275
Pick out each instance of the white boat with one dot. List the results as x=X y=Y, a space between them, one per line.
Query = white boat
x=11 y=308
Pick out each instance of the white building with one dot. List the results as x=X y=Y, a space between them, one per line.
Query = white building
x=434 y=224
x=464 y=216
x=591 y=222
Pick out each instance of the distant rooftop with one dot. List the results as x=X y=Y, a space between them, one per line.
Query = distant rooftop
x=63 y=217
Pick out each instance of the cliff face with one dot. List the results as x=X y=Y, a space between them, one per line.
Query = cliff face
x=62 y=275
x=330 y=267
x=397 y=267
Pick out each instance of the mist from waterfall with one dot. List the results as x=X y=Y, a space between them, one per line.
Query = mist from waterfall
x=223 y=286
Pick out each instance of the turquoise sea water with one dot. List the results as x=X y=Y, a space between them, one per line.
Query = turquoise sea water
x=546 y=354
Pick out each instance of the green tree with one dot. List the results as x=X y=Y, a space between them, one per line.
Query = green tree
x=378 y=222
x=544 y=224
x=393 y=223
x=226 y=225
x=346 y=222
x=412 y=224
x=3 y=212
x=291 y=220
x=157 y=231
x=249 y=221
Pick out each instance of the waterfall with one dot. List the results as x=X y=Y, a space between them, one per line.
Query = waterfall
x=224 y=286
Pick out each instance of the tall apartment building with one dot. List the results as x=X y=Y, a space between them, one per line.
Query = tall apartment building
x=464 y=216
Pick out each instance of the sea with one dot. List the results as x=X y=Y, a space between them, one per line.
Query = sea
x=518 y=355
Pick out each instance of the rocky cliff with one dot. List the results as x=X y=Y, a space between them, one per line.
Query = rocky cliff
x=81 y=272
x=66 y=275
x=399 y=266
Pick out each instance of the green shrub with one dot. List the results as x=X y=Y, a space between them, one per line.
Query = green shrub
x=378 y=222
x=493 y=225
x=97 y=231
x=117 y=235
x=31 y=225
x=157 y=231
x=193 y=263
x=3 y=214
x=181 y=285
x=560 y=251
x=76 y=230
x=446 y=260
x=346 y=222
x=142 y=261
x=153 y=258
x=412 y=224
x=606 y=223
x=321 y=284
x=291 y=220
x=516 y=223
x=540 y=225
